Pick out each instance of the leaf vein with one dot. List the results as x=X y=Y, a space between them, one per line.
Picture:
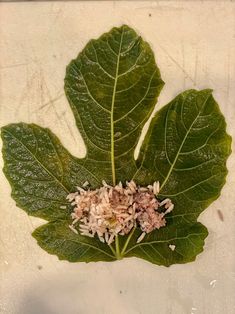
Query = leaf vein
x=134 y=108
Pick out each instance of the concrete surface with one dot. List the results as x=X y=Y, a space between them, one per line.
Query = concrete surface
x=194 y=43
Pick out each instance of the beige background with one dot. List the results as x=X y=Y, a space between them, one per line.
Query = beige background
x=194 y=43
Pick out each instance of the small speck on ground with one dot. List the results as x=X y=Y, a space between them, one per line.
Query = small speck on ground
x=120 y=291
x=39 y=267
x=150 y=14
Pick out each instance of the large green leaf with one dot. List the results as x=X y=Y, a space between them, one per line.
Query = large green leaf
x=112 y=87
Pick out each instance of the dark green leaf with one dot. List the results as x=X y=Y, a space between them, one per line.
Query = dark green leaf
x=112 y=87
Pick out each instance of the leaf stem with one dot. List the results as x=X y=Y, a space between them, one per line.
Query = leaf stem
x=127 y=241
x=118 y=254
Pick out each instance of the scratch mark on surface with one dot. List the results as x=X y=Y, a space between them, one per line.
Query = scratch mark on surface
x=41 y=89
x=26 y=90
x=195 y=66
x=220 y=215
x=2 y=243
x=228 y=81
x=30 y=223
x=53 y=100
x=178 y=65
x=158 y=7
x=69 y=128
x=56 y=14
x=183 y=61
x=13 y=66
x=63 y=114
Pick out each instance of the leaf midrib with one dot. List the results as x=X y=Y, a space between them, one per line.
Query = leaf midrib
x=112 y=111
